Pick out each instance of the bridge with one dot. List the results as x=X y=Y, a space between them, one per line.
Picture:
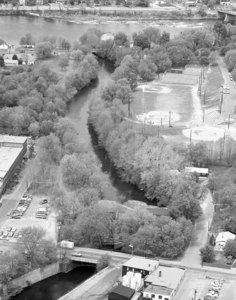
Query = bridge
x=227 y=15
x=89 y=255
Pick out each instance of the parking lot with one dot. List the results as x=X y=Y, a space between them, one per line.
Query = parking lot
x=197 y=285
x=14 y=223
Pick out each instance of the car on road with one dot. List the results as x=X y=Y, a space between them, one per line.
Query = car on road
x=44 y=201
x=78 y=254
x=10 y=234
x=13 y=229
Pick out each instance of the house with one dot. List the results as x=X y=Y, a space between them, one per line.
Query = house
x=163 y=283
x=11 y=62
x=222 y=239
x=121 y=293
x=144 y=266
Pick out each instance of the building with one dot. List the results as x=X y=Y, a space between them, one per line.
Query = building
x=163 y=283
x=222 y=238
x=202 y=172
x=121 y=293
x=12 y=151
x=140 y=265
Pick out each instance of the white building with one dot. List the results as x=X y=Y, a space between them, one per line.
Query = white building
x=222 y=239
x=163 y=283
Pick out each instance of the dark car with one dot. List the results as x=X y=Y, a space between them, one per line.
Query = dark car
x=44 y=201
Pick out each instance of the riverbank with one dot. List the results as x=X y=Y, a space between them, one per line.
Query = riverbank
x=98 y=15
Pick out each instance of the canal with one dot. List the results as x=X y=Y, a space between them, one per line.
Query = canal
x=56 y=286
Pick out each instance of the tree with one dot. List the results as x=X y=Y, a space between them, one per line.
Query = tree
x=198 y=154
x=14 y=57
x=27 y=40
x=212 y=240
x=33 y=246
x=63 y=62
x=121 y=39
x=230 y=225
x=207 y=254
x=2 y=63
x=103 y=262
x=230 y=248
x=43 y=50
x=141 y=40
x=147 y=69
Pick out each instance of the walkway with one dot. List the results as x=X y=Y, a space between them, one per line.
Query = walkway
x=200 y=234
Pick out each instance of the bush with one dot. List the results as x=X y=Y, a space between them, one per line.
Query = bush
x=103 y=262
x=207 y=254
x=230 y=248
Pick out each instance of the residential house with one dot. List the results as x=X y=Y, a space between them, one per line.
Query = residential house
x=121 y=293
x=222 y=239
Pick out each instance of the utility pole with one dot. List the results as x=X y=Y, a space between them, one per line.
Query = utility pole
x=195 y=293
x=221 y=100
x=204 y=99
x=169 y=119
x=228 y=121
x=190 y=138
x=158 y=131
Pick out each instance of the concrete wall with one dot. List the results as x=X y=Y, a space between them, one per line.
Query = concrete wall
x=36 y=276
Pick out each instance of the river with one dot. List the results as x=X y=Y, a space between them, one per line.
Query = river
x=56 y=286
x=12 y=28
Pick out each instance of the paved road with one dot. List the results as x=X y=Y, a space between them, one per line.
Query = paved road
x=229 y=99
x=200 y=234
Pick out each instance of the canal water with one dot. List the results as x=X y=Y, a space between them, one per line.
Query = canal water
x=12 y=28
x=56 y=286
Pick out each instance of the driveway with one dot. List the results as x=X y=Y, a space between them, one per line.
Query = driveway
x=192 y=256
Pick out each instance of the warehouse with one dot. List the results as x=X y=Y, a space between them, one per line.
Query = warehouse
x=12 y=151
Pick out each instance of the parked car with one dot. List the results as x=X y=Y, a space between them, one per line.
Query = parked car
x=78 y=254
x=44 y=201
x=10 y=234
x=13 y=229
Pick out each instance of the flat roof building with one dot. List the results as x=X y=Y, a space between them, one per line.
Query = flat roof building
x=12 y=151
x=121 y=293
x=163 y=283
x=140 y=265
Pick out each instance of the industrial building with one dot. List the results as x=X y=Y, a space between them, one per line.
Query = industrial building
x=140 y=265
x=163 y=283
x=12 y=151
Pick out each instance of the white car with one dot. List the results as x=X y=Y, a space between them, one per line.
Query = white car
x=79 y=254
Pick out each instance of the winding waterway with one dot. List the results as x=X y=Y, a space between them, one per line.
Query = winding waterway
x=12 y=28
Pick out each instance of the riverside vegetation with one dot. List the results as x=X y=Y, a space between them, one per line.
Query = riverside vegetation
x=34 y=100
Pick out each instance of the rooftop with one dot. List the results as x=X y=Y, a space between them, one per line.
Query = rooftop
x=141 y=263
x=225 y=236
x=166 y=277
x=198 y=170
x=160 y=290
x=123 y=291
x=12 y=139
x=7 y=157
